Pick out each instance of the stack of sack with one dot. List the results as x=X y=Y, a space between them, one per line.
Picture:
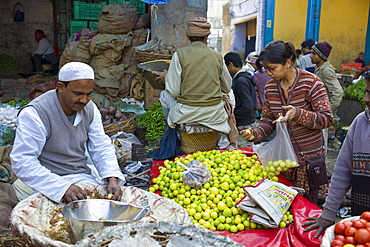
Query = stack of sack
x=110 y=51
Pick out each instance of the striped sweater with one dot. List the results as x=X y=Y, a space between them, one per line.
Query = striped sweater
x=308 y=95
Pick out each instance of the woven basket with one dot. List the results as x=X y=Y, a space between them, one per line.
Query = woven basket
x=198 y=141
x=145 y=56
x=128 y=125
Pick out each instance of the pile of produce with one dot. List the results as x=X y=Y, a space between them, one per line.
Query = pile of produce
x=153 y=119
x=8 y=64
x=356 y=91
x=213 y=205
x=111 y=115
x=353 y=233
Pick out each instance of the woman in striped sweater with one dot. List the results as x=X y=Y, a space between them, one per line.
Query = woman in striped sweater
x=301 y=98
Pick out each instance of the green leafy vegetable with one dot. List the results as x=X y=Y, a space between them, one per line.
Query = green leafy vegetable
x=356 y=91
x=19 y=103
x=7 y=135
x=153 y=119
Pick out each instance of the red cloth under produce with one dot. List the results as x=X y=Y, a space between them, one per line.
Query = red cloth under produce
x=293 y=235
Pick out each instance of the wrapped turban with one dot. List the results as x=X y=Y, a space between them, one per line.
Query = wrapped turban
x=198 y=27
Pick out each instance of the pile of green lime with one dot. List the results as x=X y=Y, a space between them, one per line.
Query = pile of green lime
x=213 y=205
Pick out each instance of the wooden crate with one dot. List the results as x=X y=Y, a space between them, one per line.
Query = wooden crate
x=151 y=95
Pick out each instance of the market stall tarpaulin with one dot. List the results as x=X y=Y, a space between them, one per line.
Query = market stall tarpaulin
x=293 y=235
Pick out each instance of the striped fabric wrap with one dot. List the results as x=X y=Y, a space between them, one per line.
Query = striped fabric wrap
x=313 y=113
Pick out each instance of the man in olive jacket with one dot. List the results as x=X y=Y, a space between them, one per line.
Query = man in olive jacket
x=325 y=71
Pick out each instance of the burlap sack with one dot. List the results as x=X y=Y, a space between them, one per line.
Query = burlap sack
x=8 y=200
x=31 y=218
x=103 y=42
x=114 y=81
x=6 y=173
x=143 y=21
x=137 y=88
x=78 y=47
x=117 y=19
x=175 y=234
x=129 y=56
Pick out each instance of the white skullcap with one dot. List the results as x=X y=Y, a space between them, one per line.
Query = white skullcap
x=75 y=71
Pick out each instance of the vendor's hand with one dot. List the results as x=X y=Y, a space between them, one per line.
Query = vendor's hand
x=289 y=115
x=247 y=134
x=114 y=189
x=319 y=223
x=74 y=193
x=160 y=75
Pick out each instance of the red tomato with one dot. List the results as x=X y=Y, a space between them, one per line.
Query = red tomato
x=367 y=224
x=367 y=245
x=347 y=223
x=349 y=240
x=336 y=243
x=339 y=228
x=360 y=245
x=350 y=232
x=339 y=237
x=362 y=236
x=358 y=224
x=365 y=215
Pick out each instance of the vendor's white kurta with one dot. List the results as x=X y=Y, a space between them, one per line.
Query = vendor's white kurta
x=30 y=139
x=214 y=117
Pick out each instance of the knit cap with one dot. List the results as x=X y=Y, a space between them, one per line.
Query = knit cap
x=322 y=49
x=252 y=57
x=73 y=71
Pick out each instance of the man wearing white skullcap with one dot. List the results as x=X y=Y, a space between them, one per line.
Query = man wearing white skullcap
x=56 y=133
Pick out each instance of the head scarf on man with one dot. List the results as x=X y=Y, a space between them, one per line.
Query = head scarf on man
x=198 y=27
x=41 y=33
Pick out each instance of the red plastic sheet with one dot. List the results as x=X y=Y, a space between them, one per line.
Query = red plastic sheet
x=293 y=235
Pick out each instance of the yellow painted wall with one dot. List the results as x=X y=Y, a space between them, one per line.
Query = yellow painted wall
x=290 y=21
x=343 y=24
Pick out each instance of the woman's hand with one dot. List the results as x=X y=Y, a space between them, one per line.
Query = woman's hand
x=247 y=134
x=289 y=115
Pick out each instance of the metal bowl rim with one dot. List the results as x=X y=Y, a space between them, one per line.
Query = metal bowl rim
x=117 y=202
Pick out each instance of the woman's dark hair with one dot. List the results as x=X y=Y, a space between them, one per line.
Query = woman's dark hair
x=193 y=38
x=235 y=58
x=276 y=52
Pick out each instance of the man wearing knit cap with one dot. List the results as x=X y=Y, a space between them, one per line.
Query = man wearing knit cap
x=56 y=133
x=325 y=71
x=196 y=78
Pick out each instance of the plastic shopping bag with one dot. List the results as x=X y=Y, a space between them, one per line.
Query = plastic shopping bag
x=268 y=201
x=196 y=174
x=279 y=148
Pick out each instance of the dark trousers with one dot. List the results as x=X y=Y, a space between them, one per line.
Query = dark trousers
x=38 y=60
